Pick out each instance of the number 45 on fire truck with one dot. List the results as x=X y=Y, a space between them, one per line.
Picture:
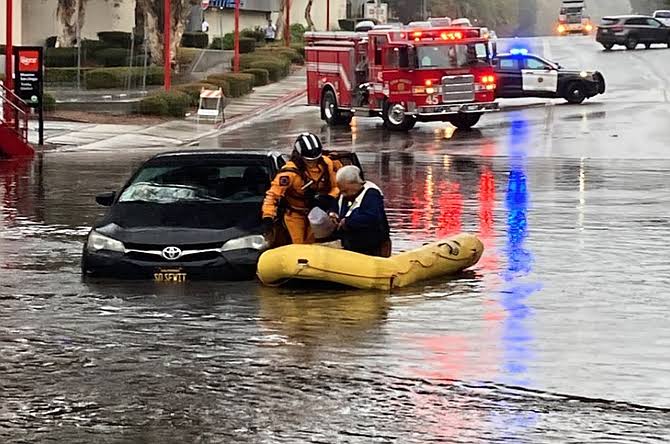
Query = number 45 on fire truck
x=402 y=75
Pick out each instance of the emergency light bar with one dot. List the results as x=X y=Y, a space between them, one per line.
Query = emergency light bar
x=518 y=51
x=440 y=34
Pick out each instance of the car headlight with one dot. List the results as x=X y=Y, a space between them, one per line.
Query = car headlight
x=585 y=74
x=98 y=242
x=256 y=242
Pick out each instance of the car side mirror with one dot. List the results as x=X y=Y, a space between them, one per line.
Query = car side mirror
x=106 y=199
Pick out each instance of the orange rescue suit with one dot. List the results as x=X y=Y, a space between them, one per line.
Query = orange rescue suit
x=289 y=185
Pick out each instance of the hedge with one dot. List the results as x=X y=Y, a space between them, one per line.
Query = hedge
x=48 y=102
x=60 y=57
x=247 y=44
x=289 y=53
x=299 y=48
x=90 y=47
x=261 y=76
x=186 y=56
x=110 y=78
x=173 y=103
x=115 y=39
x=193 y=90
x=63 y=75
x=112 y=57
x=195 y=40
x=257 y=34
x=240 y=83
x=275 y=69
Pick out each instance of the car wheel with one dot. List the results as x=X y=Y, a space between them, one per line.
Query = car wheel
x=647 y=45
x=668 y=40
x=330 y=111
x=396 y=119
x=608 y=46
x=465 y=121
x=575 y=93
x=631 y=42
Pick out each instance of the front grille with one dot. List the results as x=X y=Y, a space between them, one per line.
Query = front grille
x=458 y=88
x=574 y=19
x=159 y=247
x=146 y=257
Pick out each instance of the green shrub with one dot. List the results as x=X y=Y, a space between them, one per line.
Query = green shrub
x=60 y=57
x=275 y=68
x=261 y=76
x=257 y=34
x=48 y=102
x=289 y=53
x=111 y=78
x=193 y=90
x=50 y=42
x=195 y=40
x=297 y=32
x=178 y=103
x=90 y=47
x=154 y=105
x=186 y=56
x=299 y=48
x=247 y=44
x=111 y=57
x=63 y=75
x=220 y=83
x=115 y=39
x=239 y=84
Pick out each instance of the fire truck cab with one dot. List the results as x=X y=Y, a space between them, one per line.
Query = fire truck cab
x=402 y=75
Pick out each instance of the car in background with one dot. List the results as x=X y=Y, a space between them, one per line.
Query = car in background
x=461 y=22
x=440 y=22
x=632 y=30
x=521 y=74
x=662 y=16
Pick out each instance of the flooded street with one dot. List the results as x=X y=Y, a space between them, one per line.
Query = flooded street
x=559 y=334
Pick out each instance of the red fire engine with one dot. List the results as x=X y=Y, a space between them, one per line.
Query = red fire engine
x=402 y=75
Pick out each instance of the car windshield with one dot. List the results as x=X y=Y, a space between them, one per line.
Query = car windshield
x=451 y=56
x=662 y=14
x=198 y=183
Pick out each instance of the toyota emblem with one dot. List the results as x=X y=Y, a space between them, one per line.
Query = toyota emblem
x=171 y=253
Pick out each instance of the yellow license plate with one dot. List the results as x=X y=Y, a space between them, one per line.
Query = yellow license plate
x=176 y=276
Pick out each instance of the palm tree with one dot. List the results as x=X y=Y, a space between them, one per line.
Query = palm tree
x=308 y=16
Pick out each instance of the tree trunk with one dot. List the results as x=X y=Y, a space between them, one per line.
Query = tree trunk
x=140 y=19
x=179 y=10
x=281 y=20
x=308 y=16
x=67 y=22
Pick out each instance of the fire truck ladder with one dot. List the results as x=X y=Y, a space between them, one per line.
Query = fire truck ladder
x=13 y=126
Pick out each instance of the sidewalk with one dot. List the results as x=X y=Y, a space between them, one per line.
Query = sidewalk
x=66 y=136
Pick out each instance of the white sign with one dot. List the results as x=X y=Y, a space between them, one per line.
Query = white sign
x=379 y=13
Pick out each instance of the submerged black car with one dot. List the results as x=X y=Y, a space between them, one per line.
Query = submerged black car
x=521 y=74
x=184 y=215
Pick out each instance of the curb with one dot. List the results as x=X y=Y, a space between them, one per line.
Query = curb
x=233 y=122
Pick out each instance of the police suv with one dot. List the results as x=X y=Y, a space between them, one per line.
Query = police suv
x=521 y=74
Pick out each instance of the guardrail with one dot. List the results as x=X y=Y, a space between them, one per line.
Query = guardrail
x=15 y=113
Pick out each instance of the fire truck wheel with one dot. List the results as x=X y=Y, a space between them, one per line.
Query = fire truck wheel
x=465 y=121
x=331 y=113
x=395 y=118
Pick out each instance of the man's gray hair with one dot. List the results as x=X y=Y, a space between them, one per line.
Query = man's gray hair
x=349 y=174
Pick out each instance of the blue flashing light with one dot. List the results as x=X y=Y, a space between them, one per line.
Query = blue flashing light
x=519 y=51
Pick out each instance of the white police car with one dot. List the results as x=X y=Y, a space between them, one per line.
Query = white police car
x=521 y=74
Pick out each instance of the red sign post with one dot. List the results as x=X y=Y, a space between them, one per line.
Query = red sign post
x=9 y=39
x=167 y=56
x=236 y=58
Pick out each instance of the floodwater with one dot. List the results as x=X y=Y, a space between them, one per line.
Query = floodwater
x=559 y=334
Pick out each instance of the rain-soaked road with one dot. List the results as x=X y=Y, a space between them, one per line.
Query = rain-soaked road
x=559 y=335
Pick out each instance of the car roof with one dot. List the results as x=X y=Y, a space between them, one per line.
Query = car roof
x=619 y=17
x=215 y=153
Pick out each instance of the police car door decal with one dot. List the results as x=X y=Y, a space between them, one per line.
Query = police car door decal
x=539 y=80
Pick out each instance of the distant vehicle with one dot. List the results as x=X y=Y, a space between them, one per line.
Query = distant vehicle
x=440 y=22
x=184 y=215
x=421 y=24
x=365 y=26
x=663 y=16
x=572 y=18
x=632 y=30
x=461 y=22
x=521 y=74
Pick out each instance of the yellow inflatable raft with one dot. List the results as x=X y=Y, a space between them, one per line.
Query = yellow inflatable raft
x=313 y=262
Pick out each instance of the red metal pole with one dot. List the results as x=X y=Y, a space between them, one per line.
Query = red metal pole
x=236 y=59
x=327 y=15
x=167 y=56
x=287 y=31
x=9 y=68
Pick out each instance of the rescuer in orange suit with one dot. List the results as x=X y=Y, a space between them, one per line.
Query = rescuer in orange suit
x=306 y=181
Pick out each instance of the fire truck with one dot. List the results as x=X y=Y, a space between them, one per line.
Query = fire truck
x=404 y=75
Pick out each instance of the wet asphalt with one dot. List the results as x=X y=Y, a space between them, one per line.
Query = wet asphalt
x=560 y=333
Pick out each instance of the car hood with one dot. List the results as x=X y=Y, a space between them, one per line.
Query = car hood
x=178 y=224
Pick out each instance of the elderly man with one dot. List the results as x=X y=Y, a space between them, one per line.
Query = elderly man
x=361 y=220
